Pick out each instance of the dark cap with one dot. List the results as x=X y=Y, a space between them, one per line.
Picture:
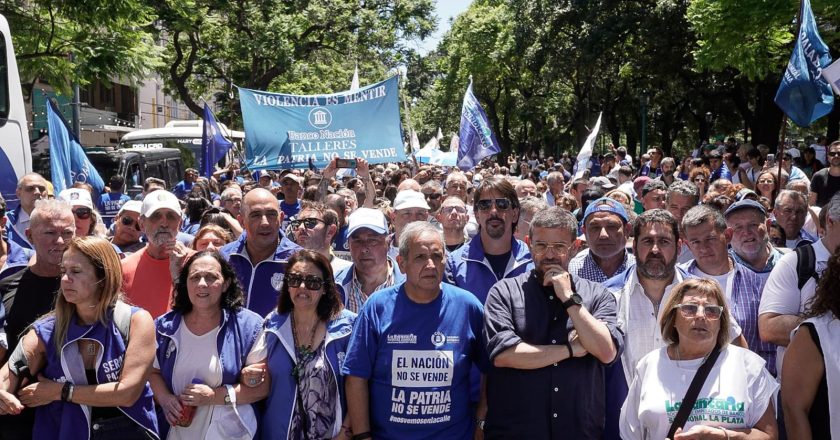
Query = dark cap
x=745 y=204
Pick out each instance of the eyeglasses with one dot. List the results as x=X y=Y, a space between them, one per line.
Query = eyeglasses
x=541 y=247
x=432 y=196
x=308 y=223
x=311 y=282
x=711 y=312
x=501 y=204
x=128 y=221
x=450 y=209
x=82 y=213
x=457 y=185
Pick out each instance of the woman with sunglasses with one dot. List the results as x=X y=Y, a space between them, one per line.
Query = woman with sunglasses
x=735 y=399
x=307 y=339
x=206 y=346
x=88 y=220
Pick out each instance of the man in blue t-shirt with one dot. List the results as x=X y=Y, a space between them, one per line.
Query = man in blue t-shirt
x=182 y=188
x=409 y=359
x=110 y=203
x=289 y=197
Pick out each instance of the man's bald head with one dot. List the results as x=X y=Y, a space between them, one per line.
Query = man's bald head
x=409 y=184
x=258 y=196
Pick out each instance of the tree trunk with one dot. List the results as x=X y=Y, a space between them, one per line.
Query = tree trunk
x=767 y=120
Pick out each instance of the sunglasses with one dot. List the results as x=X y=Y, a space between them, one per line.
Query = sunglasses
x=450 y=209
x=311 y=282
x=128 y=221
x=432 y=196
x=82 y=213
x=487 y=204
x=308 y=223
x=711 y=312
x=834 y=154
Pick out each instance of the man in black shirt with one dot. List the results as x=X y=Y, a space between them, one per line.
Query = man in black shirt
x=31 y=293
x=826 y=182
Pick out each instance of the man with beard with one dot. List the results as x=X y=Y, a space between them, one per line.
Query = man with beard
x=314 y=229
x=30 y=293
x=605 y=227
x=494 y=253
x=259 y=256
x=640 y=292
x=147 y=281
x=746 y=221
x=549 y=336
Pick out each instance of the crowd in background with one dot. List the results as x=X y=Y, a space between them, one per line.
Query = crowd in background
x=522 y=299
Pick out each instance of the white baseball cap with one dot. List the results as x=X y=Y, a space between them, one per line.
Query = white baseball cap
x=369 y=218
x=160 y=199
x=131 y=205
x=408 y=198
x=76 y=197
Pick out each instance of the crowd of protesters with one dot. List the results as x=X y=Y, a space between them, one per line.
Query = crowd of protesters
x=640 y=298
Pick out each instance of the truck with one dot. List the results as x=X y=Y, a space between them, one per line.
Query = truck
x=15 y=152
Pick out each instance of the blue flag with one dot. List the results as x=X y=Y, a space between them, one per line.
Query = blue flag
x=68 y=161
x=477 y=140
x=804 y=95
x=214 y=146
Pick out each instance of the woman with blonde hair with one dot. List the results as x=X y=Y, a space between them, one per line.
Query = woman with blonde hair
x=92 y=354
x=735 y=393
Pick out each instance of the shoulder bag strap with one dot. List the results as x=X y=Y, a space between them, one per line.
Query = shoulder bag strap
x=693 y=391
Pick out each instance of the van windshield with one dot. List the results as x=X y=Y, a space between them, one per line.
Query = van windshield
x=190 y=147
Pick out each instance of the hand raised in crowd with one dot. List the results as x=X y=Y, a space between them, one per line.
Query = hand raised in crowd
x=253 y=375
x=197 y=394
x=177 y=256
x=330 y=170
x=362 y=168
x=171 y=407
x=9 y=404
x=40 y=393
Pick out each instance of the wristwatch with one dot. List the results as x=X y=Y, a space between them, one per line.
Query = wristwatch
x=574 y=300
x=230 y=397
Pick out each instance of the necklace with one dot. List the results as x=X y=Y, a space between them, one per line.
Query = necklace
x=305 y=352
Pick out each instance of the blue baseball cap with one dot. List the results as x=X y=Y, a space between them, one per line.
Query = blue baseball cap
x=606 y=204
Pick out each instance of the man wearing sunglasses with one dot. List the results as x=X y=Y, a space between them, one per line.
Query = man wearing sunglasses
x=30 y=188
x=549 y=335
x=127 y=230
x=826 y=182
x=314 y=228
x=705 y=232
x=494 y=253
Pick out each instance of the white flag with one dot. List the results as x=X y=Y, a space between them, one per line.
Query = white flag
x=583 y=163
x=432 y=144
x=440 y=134
x=454 y=142
x=354 y=83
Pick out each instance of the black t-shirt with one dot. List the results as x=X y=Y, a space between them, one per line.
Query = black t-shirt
x=454 y=247
x=824 y=185
x=498 y=263
x=26 y=297
x=818 y=416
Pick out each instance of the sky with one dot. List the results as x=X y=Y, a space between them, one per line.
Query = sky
x=444 y=9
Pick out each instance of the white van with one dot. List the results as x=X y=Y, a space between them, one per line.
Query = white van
x=15 y=155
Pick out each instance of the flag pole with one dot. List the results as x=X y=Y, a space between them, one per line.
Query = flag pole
x=780 y=151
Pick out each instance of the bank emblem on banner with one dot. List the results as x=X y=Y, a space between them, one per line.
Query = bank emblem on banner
x=296 y=131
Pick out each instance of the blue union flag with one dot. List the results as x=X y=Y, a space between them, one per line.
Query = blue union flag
x=804 y=95
x=477 y=139
x=214 y=146
x=68 y=162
